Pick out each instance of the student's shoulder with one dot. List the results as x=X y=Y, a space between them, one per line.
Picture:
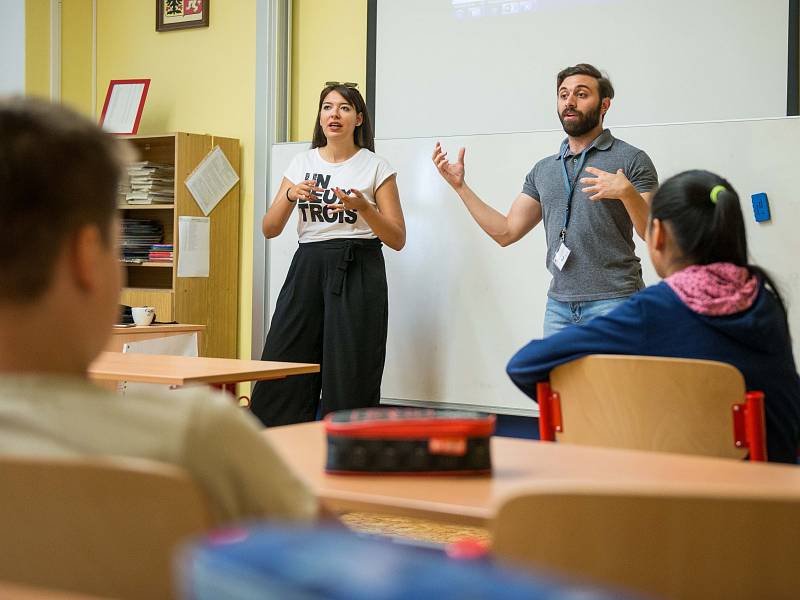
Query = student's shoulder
x=195 y=404
x=201 y=418
x=658 y=296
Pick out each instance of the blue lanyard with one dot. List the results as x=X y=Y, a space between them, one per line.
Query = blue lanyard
x=569 y=185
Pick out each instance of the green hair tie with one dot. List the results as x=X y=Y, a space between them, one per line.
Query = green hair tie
x=715 y=192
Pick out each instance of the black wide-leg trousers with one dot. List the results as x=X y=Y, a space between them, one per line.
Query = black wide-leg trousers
x=332 y=310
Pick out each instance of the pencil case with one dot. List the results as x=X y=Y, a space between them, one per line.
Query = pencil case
x=408 y=441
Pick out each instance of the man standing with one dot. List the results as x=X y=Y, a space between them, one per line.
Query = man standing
x=591 y=195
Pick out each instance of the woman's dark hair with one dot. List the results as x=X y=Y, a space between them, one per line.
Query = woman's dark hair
x=707 y=230
x=363 y=135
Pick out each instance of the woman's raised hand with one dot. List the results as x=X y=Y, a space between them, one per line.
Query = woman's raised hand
x=303 y=190
x=353 y=201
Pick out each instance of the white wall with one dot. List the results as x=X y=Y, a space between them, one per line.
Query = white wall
x=460 y=306
x=439 y=73
x=12 y=46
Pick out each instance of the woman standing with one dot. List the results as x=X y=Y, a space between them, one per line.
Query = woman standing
x=333 y=306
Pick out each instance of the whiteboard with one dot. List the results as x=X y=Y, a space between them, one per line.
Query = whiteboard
x=460 y=305
x=440 y=70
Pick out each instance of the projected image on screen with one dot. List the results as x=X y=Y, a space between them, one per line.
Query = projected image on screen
x=470 y=9
x=462 y=67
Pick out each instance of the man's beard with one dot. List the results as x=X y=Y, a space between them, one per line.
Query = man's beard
x=584 y=123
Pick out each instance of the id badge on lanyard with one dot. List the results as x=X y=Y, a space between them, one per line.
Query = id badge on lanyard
x=562 y=254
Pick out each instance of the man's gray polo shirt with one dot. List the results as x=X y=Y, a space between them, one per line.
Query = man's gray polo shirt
x=602 y=263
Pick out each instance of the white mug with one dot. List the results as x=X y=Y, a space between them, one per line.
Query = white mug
x=143 y=315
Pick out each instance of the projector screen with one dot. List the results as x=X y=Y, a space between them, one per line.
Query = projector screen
x=459 y=67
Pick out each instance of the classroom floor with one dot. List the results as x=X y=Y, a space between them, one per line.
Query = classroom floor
x=415 y=529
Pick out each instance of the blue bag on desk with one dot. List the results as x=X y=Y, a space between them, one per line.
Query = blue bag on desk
x=419 y=441
x=264 y=563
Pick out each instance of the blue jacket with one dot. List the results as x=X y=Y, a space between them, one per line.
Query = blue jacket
x=655 y=322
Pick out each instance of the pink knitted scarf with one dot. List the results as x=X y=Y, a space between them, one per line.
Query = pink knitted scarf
x=715 y=290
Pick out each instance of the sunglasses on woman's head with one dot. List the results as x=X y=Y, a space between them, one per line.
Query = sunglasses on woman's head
x=349 y=84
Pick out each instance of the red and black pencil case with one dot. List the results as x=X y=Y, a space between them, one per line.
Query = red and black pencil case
x=408 y=441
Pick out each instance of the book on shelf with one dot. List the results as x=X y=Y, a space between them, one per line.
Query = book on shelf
x=151 y=190
x=139 y=180
x=161 y=253
x=141 y=201
x=146 y=198
x=146 y=167
x=138 y=236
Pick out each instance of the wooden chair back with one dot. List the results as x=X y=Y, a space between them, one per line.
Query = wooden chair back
x=99 y=526
x=651 y=403
x=678 y=544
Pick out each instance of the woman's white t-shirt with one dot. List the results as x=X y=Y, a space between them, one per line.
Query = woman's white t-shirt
x=364 y=171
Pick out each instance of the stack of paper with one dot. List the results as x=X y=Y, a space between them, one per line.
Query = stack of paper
x=123 y=189
x=151 y=183
x=138 y=236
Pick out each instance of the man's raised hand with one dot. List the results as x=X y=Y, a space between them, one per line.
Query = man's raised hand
x=453 y=173
x=607 y=186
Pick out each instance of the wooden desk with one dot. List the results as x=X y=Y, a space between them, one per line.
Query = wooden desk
x=184 y=370
x=23 y=591
x=123 y=335
x=518 y=464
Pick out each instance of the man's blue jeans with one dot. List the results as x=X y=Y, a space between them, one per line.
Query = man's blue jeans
x=559 y=315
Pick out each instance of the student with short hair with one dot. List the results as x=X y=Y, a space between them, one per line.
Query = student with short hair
x=60 y=279
x=712 y=304
x=333 y=306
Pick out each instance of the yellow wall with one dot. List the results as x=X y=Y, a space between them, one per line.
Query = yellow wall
x=329 y=43
x=202 y=81
x=76 y=54
x=37 y=48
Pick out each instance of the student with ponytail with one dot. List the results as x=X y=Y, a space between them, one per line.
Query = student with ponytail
x=712 y=304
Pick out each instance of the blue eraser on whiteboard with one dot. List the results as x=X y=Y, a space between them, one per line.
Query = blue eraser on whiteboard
x=761 y=207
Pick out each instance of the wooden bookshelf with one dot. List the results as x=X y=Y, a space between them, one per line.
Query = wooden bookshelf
x=212 y=301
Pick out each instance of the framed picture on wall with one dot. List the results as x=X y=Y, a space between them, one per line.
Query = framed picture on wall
x=181 y=14
x=124 y=104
